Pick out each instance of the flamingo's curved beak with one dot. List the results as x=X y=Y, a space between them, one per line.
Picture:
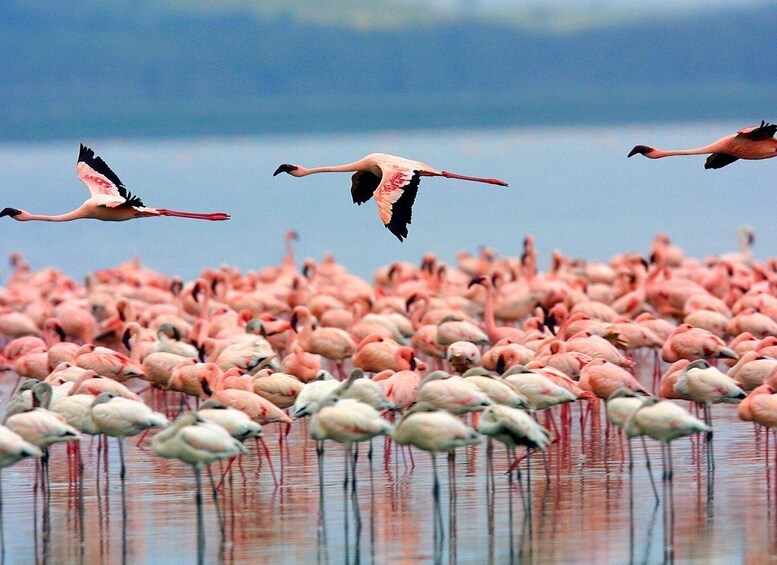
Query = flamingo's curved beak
x=10 y=212
x=641 y=149
x=284 y=168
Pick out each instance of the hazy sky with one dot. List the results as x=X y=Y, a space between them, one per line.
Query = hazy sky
x=637 y=6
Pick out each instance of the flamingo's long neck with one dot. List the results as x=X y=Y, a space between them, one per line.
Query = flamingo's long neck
x=27 y=216
x=658 y=153
x=349 y=168
x=488 y=315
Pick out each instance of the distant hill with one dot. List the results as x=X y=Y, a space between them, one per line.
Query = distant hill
x=103 y=69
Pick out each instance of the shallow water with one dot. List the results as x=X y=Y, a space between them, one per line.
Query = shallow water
x=584 y=514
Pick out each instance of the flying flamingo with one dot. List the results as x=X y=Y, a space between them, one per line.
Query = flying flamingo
x=393 y=181
x=110 y=201
x=752 y=142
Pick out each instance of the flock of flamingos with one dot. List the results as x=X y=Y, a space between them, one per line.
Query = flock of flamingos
x=407 y=356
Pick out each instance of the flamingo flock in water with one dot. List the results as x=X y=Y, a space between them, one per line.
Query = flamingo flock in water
x=436 y=356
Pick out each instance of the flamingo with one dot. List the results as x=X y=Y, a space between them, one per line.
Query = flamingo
x=194 y=441
x=664 y=421
x=514 y=427
x=13 y=448
x=621 y=405
x=345 y=420
x=752 y=142
x=121 y=417
x=434 y=430
x=392 y=181
x=313 y=392
x=110 y=201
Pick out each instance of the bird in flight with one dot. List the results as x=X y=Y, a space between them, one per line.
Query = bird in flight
x=392 y=181
x=752 y=142
x=110 y=201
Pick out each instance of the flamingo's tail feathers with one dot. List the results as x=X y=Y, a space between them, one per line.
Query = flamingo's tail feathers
x=214 y=217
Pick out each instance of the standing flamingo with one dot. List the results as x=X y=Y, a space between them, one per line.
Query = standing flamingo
x=752 y=142
x=196 y=442
x=13 y=448
x=393 y=181
x=121 y=417
x=110 y=201
x=665 y=422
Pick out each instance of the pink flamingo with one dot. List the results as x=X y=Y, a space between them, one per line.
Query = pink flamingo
x=332 y=343
x=110 y=201
x=752 y=142
x=495 y=333
x=392 y=181
x=305 y=366
x=687 y=342
x=603 y=378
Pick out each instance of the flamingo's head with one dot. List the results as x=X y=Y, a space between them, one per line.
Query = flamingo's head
x=641 y=149
x=286 y=168
x=13 y=212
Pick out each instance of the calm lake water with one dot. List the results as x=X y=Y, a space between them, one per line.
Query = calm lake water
x=573 y=188
x=587 y=513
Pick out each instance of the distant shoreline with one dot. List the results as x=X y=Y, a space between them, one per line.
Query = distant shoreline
x=333 y=114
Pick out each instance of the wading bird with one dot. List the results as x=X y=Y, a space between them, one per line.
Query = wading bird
x=752 y=142
x=110 y=201
x=392 y=181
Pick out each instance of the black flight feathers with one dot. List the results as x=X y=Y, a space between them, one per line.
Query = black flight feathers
x=718 y=160
x=86 y=155
x=364 y=184
x=760 y=133
x=764 y=131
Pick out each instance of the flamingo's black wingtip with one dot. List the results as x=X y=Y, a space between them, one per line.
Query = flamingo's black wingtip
x=284 y=168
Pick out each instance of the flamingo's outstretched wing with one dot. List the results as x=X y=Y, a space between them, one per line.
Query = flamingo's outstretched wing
x=395 y=196
x=100 y=179
x=758 y=133
x=718 y=160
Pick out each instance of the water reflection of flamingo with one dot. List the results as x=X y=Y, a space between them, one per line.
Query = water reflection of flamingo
x=665 y=421
x=13 y=448
x=428 y=428
x=514 y=427
x=196 y=442
x=620 y=406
